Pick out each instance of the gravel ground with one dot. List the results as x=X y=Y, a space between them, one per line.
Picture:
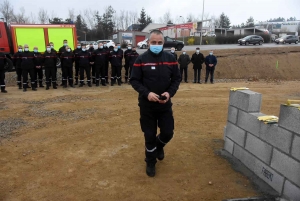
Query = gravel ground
x=8 y=126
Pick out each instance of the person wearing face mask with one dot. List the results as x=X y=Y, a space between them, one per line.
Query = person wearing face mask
x=75 y=52
x=17 y=64
x=127 y=54
x=106 y=62
x=197 y=60
x=38 y=70
x=156 y=77
x=67 y=59
x=27 y=64
x=100 y=57
x=115 y=59
x=184 y=60
x=84 y=59
x=132 y=57
x=2 y=72
x=91 y=50
x=54 y=51
x=49 y=62
x=174 y=53
x=121 y=53
x=60 y=52
x=210 y=62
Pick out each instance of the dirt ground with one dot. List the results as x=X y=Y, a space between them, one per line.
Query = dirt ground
x=86 y=144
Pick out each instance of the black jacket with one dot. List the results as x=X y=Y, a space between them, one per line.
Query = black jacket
x=27 y=60
x=127 y=56
x=211 y=59
x=132 y=57
x=197 y=60
x=184 y=60
x=2 y=61
x=75 y=52
x=115 y=58
x=38 y=59
x=67 y=59
x=155 y=73
x=17 y=60
x=100 y=56
x=84 y=58
x=49 y=59
x=175 y=55
x=61 y=50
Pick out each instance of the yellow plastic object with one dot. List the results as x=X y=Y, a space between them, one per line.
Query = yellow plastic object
x=269 y=119
x=238 y=88
x=32 y=37
x=57 y=35
x=291 y=103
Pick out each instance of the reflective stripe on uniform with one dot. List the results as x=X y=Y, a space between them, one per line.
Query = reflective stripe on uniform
x=151 y=150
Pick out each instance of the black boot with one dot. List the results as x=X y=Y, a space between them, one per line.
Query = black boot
x=119 y=81
x=94 y=81
x=150 y=169
x=41 y=84
x=71 y=83
x=112 y=82
x=50 y=82
x=89 y=84
x=97 y=83
x=33 y=88
x=25 y=87
x=103 y=82
x=3 y=90
x=106 y=80
x=47 y=86
x=76 y=81
x=81 y=84
x=64 y=83
x=20 y=85
x=160 y=149
x=54 y=85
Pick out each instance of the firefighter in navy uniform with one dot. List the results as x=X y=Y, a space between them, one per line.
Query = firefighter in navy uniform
x=127 y=54
x=115 y=59
x=106 y=62
x=17 y=64
x=174 y=53
x=91 y=50
x=54 y=51
x=121 y=53
x=156 y=77
x=100 y=58
x=75 y=52
x=84 y=59
x=2 y=72
x=132 y=57
x=27 y=65
x=49 y=62
x=60 y=52
x=67 y=59
x=38 y=70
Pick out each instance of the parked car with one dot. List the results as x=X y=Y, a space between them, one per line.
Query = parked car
x=169 y=42
x=287 y=39
x=110 y=43
x=252 y=39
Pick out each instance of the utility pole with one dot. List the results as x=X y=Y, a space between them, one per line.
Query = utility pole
x=201 y=25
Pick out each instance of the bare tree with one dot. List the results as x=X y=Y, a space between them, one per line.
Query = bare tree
x=21 y=17
x=121 y=21
x=166 y=18
x=7 y=11
x=72 y=15
x=89 y=17
x=132 y=17
x=32 y=18
x=43 y=16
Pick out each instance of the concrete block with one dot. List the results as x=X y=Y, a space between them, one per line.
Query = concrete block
x=246 y=100
x=228 y=146
x=249 y=122
x=276 y=136
x=236 y=134
x=291 y=191
x=289 y=118
x=269 y=175
x=287 y=166
x=259 y=148
x=232 y=114
x=296 y=148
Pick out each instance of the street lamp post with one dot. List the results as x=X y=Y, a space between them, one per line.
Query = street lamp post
x=201 y=25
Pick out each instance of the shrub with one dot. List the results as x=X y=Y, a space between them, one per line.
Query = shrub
x=191 y=41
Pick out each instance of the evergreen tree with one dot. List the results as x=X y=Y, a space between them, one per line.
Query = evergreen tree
x=224 y=21
x=108 y=24
x=144 y=19
x=250 y=22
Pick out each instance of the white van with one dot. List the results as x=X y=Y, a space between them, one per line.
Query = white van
x=110 y=43
x=143 y=44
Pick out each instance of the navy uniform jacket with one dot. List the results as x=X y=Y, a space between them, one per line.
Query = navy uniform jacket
x=211 y=59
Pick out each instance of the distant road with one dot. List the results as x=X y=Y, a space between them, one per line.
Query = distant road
x=234 y=46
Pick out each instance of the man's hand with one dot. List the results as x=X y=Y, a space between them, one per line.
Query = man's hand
x=38 y=67
x=153 y=97
x=166 y=94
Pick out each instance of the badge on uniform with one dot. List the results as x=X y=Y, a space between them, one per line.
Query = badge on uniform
x=153 y=67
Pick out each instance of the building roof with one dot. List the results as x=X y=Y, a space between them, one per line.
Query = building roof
x=152 y=26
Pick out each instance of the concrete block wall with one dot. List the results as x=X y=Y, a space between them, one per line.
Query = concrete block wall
x=271 y=151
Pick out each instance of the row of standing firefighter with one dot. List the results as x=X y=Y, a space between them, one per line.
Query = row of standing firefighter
x=93 y=62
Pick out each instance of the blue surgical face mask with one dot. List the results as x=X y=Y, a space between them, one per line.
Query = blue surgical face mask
x=210 y=53
x=83 y=49
x=105 y=45
x=156 y=48
x=95 y=46
x=52 y=46
x=101 y=47
x=119 y=46
x=48 y=49
x=129 y=48
x=26 y=48
x=78 y=46
x=115 y=49
x=35 y=51
x=183 y=52
x=69 y=50
x=20 y=50
x=172 y=51
x=65 y=44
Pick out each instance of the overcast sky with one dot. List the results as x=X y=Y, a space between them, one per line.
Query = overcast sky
x=238 y=11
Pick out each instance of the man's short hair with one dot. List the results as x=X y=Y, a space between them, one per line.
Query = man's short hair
x=65 y=40
x=133 y=47
x=172 y=47
x=156 y=31
x=197 y=48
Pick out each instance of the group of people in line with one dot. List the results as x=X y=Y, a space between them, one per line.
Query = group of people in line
x=197 y=59
x=93 y=61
